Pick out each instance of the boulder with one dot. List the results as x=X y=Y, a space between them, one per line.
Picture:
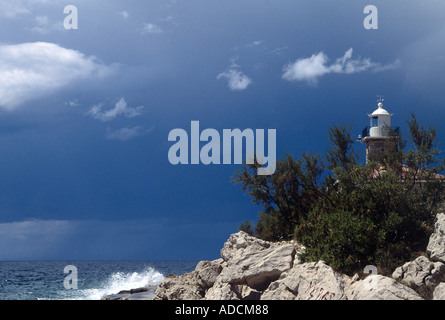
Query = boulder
x=250 y=265
x=183 y=287
x=308 y=281
x=240 y=242
x=420 y=271
x=277 y=290
x=208 y=271
x=190 y=286
x=378 y=287
x=222 y=291
x=439 y=292
x=436 y=244
x=257 y=268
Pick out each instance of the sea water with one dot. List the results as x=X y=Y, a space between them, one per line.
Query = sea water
x=44 y=280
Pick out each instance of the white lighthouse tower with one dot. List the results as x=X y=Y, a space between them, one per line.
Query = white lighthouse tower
x=378 y=138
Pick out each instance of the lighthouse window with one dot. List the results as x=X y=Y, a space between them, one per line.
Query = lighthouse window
x=374 y=122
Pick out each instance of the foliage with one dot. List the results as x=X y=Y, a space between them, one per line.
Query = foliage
x=347 y=214
x=286 y=196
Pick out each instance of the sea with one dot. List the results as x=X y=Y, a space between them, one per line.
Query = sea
x=53 y=280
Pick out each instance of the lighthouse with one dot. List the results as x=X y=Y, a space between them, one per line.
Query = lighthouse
x=379 y=136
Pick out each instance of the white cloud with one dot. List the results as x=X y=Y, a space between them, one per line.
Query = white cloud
x=237 y=80
x=120 y=108
x=152 y=29
x=312 y=68
x=42 y=20
x=32 y=70
x=44 y=26
x=126 y=133
x=255 y=43
x=16 y=8
x=124 y=14
x=73 y=103
x=12 y=9
x=278 y=51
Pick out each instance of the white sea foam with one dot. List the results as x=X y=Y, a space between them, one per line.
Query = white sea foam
x=119 y=281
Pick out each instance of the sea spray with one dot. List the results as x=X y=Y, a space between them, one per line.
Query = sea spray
x=119 y=281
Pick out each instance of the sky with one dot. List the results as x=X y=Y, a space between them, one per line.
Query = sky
x=86 y=110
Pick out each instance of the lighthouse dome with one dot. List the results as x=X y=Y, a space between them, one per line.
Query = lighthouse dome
x=380 y=111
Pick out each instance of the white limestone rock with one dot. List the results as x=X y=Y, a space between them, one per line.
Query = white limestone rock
x=308 y=281
x=378 y=287
x=436 y=244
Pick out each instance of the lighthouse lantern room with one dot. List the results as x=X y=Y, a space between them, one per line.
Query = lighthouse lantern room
x=378 y=138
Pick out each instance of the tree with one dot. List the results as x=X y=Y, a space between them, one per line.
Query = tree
x=286 y=196
x=347 y=214
x=341 y=155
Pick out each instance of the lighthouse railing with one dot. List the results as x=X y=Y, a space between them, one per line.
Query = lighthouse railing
x=378 y=132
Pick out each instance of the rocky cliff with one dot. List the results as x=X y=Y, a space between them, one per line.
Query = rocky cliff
x=254 y=269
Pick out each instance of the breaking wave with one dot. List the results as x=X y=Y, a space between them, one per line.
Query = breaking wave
x=119 y=281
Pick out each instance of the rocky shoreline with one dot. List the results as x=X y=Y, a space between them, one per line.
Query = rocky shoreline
x=254 y=269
